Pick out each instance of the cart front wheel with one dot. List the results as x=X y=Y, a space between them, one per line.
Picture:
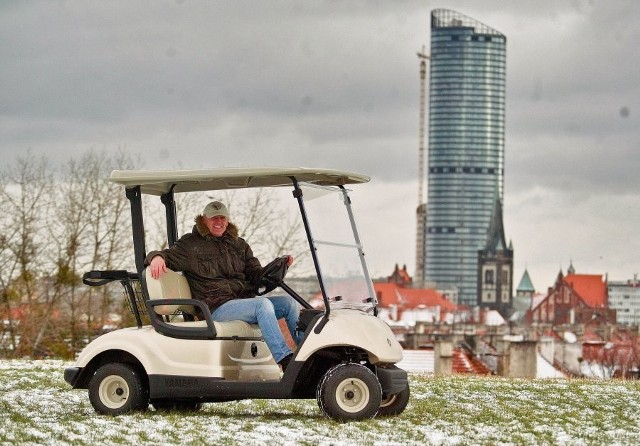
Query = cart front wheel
x=117 y=389
x=349 y=392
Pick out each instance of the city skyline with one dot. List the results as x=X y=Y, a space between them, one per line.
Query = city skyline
x=241 y=83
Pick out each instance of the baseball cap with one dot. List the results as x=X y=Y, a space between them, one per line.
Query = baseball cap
x=215 y=208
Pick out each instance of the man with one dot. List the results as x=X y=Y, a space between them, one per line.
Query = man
x=223 y=273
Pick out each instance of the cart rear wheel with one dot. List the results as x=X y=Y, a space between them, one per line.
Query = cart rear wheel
x=349 y=392
x=117 y=389
x=394 y=404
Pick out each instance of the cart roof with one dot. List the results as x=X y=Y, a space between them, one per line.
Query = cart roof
x=158 y=182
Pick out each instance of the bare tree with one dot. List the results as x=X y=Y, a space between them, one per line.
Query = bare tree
x=69 y=223
x=110 y=230
x=188 y=206
x=52 y=232
x=7 y=236
x=24 y=202
x=88 y=232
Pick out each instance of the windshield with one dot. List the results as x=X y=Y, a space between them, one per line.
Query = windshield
x=338 y=248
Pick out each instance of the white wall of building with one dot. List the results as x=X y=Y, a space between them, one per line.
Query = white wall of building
x=624 y=297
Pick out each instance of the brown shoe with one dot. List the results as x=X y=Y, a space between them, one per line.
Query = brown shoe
x=284 y=362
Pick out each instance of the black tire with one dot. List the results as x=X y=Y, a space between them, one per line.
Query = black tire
x=394 y=404
x=349 y=392
x=116 y=389
x=181 y=406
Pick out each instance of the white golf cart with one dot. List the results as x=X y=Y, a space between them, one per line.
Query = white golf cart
x=178 y=361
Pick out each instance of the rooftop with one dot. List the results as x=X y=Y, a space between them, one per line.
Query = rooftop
x=411 y=298
x=447 y=18
x=525 y=283
x=592 y=288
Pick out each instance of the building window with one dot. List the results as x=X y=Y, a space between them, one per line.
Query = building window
x=488 y=277
x=488 y=297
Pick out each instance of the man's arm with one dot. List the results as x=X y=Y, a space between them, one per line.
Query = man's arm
x=177 y=258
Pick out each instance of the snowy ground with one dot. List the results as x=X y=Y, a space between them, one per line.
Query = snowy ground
x=38 y=407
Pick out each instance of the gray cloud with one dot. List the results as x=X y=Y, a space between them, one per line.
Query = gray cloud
x=328 y=83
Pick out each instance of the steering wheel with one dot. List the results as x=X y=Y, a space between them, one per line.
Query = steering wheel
x=273 y=274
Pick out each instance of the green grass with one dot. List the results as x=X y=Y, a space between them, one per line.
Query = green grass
x=38 y=407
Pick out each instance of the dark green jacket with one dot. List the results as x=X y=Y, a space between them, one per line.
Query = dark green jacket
x=218 y=269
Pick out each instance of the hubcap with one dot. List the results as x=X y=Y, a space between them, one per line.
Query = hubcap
x=113 y=391
x=352 y=395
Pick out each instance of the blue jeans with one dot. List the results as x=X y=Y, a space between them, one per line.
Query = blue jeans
x=265 y=311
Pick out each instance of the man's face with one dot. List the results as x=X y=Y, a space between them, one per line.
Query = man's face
x=216 y=224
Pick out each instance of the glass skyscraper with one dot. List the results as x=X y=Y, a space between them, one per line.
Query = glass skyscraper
x=466 y=148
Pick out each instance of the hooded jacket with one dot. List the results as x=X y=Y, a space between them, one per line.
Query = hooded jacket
x=218 y=269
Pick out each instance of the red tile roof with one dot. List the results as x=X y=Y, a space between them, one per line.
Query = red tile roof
x=411 y=298
x=465 y=362
x=592 y=337
x=591 y=288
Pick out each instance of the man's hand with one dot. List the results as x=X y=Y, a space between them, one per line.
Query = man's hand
x=289 y=260
x=158 y=267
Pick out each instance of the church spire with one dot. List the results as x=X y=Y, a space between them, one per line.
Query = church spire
x=496 y=241
x=571 y=269
x=525 y=286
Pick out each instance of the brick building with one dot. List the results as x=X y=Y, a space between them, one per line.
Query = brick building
x=574 y=299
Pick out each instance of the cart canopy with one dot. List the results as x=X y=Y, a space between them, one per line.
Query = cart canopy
x=159 y=182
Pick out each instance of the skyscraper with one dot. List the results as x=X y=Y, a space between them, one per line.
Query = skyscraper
x=466 y=149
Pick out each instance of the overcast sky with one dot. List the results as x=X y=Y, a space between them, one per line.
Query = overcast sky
x=335 y=84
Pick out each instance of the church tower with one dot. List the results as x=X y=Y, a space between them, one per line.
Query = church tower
x=495 y=267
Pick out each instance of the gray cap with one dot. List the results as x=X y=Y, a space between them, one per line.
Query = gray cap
x=215 y=208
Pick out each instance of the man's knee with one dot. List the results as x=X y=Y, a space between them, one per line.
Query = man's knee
x=291 y=306
x=264 y=305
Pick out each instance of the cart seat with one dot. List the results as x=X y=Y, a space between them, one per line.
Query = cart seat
x=173 y=285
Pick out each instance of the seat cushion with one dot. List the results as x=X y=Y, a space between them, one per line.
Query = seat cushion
x=227 y=329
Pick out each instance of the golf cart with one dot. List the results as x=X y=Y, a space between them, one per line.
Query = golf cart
x=177 y=357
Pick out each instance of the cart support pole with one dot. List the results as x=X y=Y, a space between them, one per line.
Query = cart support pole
x=297 y=193
x=170 y=215
x=137 y=226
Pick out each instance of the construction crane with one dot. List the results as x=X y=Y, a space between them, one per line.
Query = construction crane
x=422 y=208
x=423 y=76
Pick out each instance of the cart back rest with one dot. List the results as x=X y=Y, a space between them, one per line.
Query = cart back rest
x=171 y=285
